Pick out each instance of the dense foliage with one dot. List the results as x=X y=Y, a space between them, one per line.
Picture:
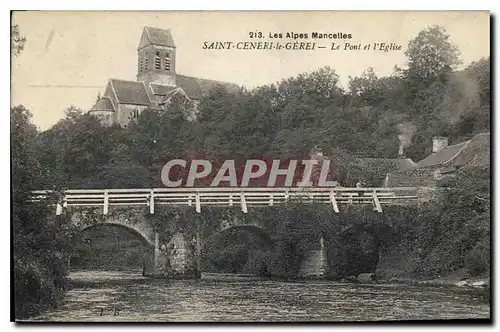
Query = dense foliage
x=372 y=118
x=451 y=236
x=39 y=255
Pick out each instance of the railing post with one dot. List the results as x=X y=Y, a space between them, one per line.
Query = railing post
x=271 y=200
x=198 y=202
x=231 y=200
x=243 y=203
x=334 y=201
x=152 y=202
x=59 y=209
x=106 y=202
x=378 y=207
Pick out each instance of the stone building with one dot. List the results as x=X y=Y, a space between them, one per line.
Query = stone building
x=157 y=83
x=443 y=162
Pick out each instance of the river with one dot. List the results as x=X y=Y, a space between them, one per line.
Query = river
x=127 y=296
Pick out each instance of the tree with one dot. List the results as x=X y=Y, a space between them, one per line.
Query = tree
x=76 y=149
x=17 y=41
x=430 y=53
x=38 y=249
x=480 y=72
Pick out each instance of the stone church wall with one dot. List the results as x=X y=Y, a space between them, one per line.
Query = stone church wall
x=126 y=113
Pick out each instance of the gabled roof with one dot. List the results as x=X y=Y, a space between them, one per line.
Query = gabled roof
x=135 y=93
x=103 y=104
x=196 y=88
x=160 y=89
x=476 y=153
x=156 y=36
x=469 y=154
x=130 y=92
x=443 y=156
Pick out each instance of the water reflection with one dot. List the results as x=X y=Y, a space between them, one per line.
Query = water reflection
x=127 y=296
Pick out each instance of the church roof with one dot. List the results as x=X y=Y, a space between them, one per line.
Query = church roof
x=130 y=92
x=196 y=88
x=103 y=104
x=156 y=36
x=160 y=89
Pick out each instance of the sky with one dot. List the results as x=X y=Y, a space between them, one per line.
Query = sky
x=69 y=56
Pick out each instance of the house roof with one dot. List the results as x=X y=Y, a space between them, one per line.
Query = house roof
x=157 y=36
x=476 y=153
x=468 y=154
x=130 y=92
x=196 y=88
x=103 y=104
x=443 y=156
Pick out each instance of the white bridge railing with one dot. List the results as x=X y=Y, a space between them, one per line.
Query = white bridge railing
x=240 y=197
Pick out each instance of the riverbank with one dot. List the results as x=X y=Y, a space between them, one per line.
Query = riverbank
x=479 y=283
x=459 y=278
x=403 y=265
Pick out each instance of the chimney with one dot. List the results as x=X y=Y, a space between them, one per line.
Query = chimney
x=439 y=143
x=401 y=153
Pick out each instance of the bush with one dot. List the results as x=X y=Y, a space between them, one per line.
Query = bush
x=477 y=260
x=35 y=287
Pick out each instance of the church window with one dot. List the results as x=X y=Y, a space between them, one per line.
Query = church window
x=167 y=61
x=157 y=61
x=146 y=61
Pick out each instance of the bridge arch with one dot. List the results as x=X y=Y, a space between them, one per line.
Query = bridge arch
x=237 y=249
x=148 y=263
x=141 y=236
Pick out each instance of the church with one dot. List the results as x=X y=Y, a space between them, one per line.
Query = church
x=157 y=83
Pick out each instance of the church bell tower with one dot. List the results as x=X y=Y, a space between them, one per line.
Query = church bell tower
x=156 y=57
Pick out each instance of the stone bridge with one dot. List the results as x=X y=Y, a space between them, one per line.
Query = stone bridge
x=173 y=239
x=173 y=243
